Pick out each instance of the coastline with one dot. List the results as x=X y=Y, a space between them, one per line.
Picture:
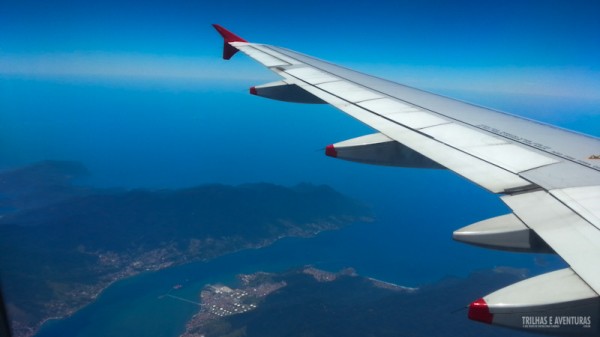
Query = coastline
x=247 y=246
x=75 y=310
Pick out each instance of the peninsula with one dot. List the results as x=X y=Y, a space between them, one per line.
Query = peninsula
x=312 y=302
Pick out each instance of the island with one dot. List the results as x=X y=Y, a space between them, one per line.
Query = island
x=69 y=242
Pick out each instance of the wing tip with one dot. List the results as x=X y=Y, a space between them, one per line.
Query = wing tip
x=228 y=38
x=227 y=35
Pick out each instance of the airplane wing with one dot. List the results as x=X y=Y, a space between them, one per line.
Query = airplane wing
x=548 y=176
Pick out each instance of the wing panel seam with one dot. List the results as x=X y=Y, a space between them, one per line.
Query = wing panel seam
x=477 y=127
x=415 y=130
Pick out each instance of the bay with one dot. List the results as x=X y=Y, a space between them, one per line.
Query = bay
x=137 y=306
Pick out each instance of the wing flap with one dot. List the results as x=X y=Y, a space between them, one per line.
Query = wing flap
x=493 y=149
x=462 y=137
x=565 y=174
x=585 y=201
x=571 y=236
x=402 y=113
x=511 y=157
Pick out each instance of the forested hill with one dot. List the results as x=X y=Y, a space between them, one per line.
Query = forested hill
x=61 y=244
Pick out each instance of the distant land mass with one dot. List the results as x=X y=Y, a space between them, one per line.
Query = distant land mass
x=62 y=244
x=308 y=302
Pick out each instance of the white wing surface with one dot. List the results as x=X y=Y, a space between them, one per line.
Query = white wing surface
x=548 y=176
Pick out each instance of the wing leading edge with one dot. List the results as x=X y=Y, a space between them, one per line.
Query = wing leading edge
x=549 y=177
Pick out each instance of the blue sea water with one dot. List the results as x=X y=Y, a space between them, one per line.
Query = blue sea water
x=158 y=136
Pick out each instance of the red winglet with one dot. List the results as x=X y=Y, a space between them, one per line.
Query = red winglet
x=228 y=50
x=227 y=35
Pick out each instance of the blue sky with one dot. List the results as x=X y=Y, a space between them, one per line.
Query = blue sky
x=139 y=94
x=149 y=74
x=454 y=34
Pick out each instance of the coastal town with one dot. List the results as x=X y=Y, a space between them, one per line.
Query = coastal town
x=219 y=301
